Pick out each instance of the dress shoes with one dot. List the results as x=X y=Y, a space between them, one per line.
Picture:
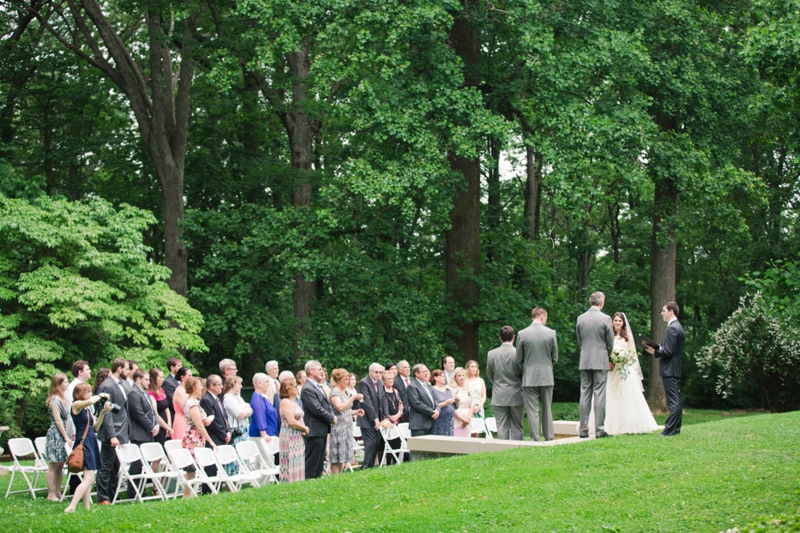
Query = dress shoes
x=104 y=502
x=584 y=436
x=603 y=436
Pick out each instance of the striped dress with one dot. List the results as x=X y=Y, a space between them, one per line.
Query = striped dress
x=292 y=450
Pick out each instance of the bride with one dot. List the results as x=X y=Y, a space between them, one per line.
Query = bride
x=626 y=408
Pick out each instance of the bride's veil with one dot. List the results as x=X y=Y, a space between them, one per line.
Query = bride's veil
x=632 y=346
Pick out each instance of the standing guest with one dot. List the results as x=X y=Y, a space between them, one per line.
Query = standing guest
x=81 y=374
x=352 y=384
x=196 y=422
x=371 y=389
x=444 y=397
x=595 y=342
x=218 y=428
x=101 y=376
x=423 y=407
x=505 y=375
x=57 y=435
x=449 y=366
x=537 y=353
x=318 y=417
x=238 y=412
x=323 y=382
x=274 y=386
x=158 y=398
x=292 y=444
x=670 y=353
x=477 y=387
x=171 y=382
x=179 y=398
x=133 y=366
x=143 y=419
x=301 y=380
x=401 y=384
x=392 y=408
x=113 y=432
x=82 y=401
x=391 y=367
x=341 y=448
x=264 y=421
x=463 y=403
x=227 y=367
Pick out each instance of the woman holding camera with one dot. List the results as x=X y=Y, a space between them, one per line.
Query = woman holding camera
x=84 y=425
x=238 y=412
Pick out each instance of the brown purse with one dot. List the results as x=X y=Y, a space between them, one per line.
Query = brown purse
x=75 y=459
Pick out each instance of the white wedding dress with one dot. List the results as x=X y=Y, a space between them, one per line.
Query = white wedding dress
x=626 y=408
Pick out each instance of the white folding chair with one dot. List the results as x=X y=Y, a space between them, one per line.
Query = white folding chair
x=23 y=447
x=491 y=427
x=358 y=449
x=153 y=451
x=226 y=455
x=477 y=425
x=389 y=434
x=248 y=451
x=41 y=448
x=181 y=459
x=128 y=454
x=405 y=431
x=172 y=445
x=205 y=457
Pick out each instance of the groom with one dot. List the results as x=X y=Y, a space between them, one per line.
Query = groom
x=670 y=368
x=596 y=342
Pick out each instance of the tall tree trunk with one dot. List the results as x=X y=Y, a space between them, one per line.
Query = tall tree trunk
x=663 y=267
x=493 y=185
x=462 y=240
x=300 y=129
x=533 y=185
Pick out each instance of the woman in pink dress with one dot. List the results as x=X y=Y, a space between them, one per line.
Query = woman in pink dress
x=178 y=400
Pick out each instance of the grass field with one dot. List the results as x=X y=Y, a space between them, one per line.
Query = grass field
x=712 y=477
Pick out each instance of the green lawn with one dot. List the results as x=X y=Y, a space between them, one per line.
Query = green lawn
x=710 y=478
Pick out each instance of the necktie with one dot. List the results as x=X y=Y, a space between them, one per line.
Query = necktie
x=376 y=386
x=406 y=382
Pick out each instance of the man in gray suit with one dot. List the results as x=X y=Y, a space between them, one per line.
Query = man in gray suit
x=424 y=409
x=537 y=352
x=142 y=419
x=595 y=342
x=504 y=374
x=113 y=432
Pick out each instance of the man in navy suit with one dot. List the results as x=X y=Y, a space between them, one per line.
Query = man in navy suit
x=218 y=428
x=670 y=368
x=401 y=382
x=318 y=416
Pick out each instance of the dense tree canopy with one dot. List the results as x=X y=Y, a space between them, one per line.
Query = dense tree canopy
x=364 y=180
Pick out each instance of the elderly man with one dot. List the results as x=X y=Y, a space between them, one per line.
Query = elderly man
x=318 y=416
x=401 y=382
x=421 y=403
x=272 y=371
x=371 y=387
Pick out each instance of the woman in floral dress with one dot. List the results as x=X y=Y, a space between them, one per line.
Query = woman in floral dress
x=292 y=455
x=57 y=435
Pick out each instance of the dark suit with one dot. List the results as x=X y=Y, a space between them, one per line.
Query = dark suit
x=400 y=385
x=318 y=416
x=422 y=406
x=142 y=419
x=669 y=369
x=372 y=404
x=169 y=386
x=217 y=429
x=114 y=425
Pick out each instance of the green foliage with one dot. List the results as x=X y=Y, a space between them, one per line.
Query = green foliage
x=752 y=345
x=76 y=282
x=779 y=286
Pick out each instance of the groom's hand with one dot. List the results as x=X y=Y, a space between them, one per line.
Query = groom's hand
x=649 y=349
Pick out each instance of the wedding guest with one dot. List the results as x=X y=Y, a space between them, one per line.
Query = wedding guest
x=391 y=367
x=218 y=428
x=82 y=402
x=371 y=388
x=272 y=373
x=101 y=376
x=323 y=382
x=179 y=398
x=401 y=382
x=444 y=397
x=237 y=409
x=424 y=409
x=158 y=397
x=264 y=420
x=291 y=439
x=341 y=447
x=133 y=366
x=477 y=388
x=227 y=367
x=81 y=373
x=196 y=422
x=463 y=403
x=352 y=384
x=114 y=431
x=171 y=382
x=319 y=417
x=143 y=420
x=57 y=435
x=301 y=380
x=449 y=366
x=392 y=409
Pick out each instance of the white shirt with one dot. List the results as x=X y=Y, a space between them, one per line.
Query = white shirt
x=70 y=391
x=425 y=386
x=119 y=384
x=671 y=321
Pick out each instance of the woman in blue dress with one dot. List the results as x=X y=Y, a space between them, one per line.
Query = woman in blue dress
x=81 y=416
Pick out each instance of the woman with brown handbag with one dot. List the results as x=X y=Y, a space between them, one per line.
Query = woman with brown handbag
x=85 y=435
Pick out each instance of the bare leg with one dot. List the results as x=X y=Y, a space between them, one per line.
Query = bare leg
x=87 y=494
x=187 y=493
x=82 y=492
x=52 y=476
x=336 y=468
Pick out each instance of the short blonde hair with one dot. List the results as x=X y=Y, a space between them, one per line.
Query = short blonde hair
x=230 y=383
x=458 y=372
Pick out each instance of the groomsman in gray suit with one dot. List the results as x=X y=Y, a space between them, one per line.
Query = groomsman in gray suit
x=537 y=352
x=504 y=374
x=595 y=342
x=114 y=431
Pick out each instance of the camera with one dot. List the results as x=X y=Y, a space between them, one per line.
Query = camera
x=238 y=431
x=102 y=402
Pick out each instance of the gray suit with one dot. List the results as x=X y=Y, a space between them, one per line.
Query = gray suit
x=142 y=419
x=504 y=374
x=422 y=405
x=114 y=425
x=595 y=342
x=537 y=352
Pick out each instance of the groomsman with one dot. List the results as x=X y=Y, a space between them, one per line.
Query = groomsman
x=371 y=387
x=595 y=342
x=537 y=352
x=504 y=374
x=670 y=368
x=143 y=421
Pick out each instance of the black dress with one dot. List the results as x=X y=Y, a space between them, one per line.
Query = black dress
x=162 y=406
x=91 y=450
x=391 y=405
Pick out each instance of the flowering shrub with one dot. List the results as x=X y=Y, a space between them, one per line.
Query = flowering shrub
x=752 y=344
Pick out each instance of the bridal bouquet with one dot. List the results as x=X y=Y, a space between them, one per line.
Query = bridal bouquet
x=623 y=359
